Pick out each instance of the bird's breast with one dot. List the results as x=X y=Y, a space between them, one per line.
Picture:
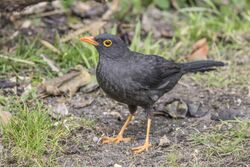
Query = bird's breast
x=112 y=80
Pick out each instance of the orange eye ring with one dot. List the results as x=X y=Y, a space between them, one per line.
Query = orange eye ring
x=107 y=43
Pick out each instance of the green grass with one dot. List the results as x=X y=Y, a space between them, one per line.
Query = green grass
x=31 y=135
x=227 y=138
x=172 y=158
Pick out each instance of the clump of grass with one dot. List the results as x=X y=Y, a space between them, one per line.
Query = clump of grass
x=31 y=135
x=77 y=52
x=148 y=45
x=172 y=158
x=227 y=138
x=209 y=20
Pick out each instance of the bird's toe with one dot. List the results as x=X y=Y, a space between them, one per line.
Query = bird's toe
x=140 y=149
x=117 y=139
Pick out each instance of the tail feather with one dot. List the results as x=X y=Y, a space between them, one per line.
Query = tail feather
x=200 y=66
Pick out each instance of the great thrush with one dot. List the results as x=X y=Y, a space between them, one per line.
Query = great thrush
x=137 y=79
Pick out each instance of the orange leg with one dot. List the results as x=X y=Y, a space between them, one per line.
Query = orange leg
x=119 y=138
x=146 y=145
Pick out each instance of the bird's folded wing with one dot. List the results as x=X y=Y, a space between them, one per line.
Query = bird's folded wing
x=153 y=71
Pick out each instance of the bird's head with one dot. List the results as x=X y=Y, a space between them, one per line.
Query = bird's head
x=107 y=45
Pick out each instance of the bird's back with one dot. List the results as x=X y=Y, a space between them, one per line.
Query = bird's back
x=137 y=79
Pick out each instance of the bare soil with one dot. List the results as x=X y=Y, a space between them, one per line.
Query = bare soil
x=82 y=147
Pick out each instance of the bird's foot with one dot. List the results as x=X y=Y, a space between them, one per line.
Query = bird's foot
x=117 y=139
x=140 y=149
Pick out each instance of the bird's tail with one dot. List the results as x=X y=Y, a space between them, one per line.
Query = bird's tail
x=200 y=66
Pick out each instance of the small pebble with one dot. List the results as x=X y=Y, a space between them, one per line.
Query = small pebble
x=95 y=139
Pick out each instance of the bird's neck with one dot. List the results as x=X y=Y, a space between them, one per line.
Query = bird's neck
x=114 y=56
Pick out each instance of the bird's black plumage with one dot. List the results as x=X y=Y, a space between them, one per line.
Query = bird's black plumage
x=137 y=79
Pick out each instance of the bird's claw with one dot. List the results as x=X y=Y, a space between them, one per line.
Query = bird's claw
x=140 y=149
x=117 y=139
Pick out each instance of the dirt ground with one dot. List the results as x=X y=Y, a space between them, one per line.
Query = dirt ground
x=84 y=149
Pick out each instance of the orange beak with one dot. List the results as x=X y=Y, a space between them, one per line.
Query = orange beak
x=90 y=40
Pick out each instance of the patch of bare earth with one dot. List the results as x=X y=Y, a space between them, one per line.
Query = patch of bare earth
x=83 y=148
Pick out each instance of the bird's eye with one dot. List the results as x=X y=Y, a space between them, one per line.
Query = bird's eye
x=107 y=43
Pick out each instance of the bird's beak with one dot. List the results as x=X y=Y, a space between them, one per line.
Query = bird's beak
x=90 y=40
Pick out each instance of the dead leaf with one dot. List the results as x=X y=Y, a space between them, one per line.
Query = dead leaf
x=199 y=50
x=66 y=84
x=88 y=9
x=82 y=102
x=4 y=117
x=92 y=86
x=7 y=84
x=164 y=141
x=196 y=110
x=177 y=109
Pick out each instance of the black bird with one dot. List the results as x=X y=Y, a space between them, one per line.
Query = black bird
x=137 y=79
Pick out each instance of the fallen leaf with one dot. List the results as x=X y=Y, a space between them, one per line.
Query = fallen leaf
x=92 y=86
x=164 y=141
x=66 y=84
x=196 y=110
x=4 y=117
x=88 y=9
x=7 y=84
x=199 y=50
x=82 y=102
x=177 y=108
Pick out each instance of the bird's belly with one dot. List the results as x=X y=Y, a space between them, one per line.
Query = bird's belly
x=122 y=91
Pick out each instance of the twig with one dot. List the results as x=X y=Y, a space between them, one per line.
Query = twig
x=18 y=60
x=51 y=64
x=50 y=46
x=112 y=10
x=50 y=13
